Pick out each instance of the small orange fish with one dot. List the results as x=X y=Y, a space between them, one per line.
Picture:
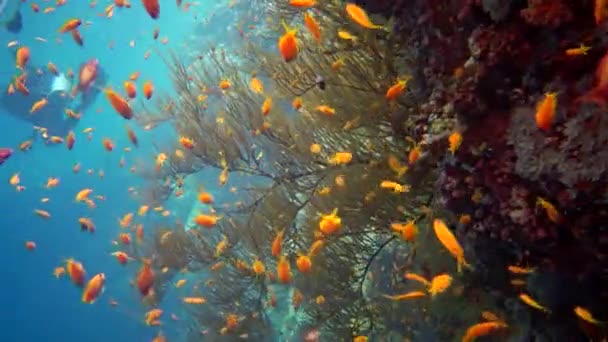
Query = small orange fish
x=341 y=158
x=439 y=284
x=42 y=213
x=77 y=37
x=145 y=278
x=454 y=141
x=283 y=270
x=86 y=224
x=194 y=300
x=418 y=278
x=94 y=288
x=131 y=135
x=313 y=26
x=152 y=7
x=76 y=272
x=448 y=240
x=330 y=223
x=482 y=329
x=304 y=263
x=205 y=198
x=148 y=89
x=258 y=267
x=327 y=110
x=408 y=230
x=550 y=210
x=408 y=295
x=531 y=302
x=207 y=221
x=359 y=16
x=277 y=244
x=52 y=68
x=266 y=106
x=302 y=3
x=256 y=85
x=288 y=45
x=545 y=111
x=70 y=140
x=69 y=25
x=30 y=245
x=121 y=257
x=108 y=144
x=38 y=105
x=22 y=57
x=297 y=103
x=397 y=89
x=120 y=104
x=130 y=89
x=581 y=50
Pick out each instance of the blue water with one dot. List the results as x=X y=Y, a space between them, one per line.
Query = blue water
x=35 y=305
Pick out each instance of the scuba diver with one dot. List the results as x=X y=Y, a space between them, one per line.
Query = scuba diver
x=10 y=16
x=65 y=101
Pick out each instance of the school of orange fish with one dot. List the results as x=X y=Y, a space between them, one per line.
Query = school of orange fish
x=329 y=223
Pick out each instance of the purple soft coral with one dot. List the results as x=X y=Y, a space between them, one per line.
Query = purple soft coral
x=5 y=153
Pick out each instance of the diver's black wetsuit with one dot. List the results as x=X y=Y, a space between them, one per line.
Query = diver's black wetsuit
x=52 y=116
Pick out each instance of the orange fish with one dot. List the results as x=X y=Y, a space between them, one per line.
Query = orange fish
x=545 y=111
x=77 y=37
x=550 y=209
x=482 y=329
x=130 y=89
x=288 y=45
x=581 y=50
x=408 y=295
x=108 y=144
x=205 y=198
x=94 y=288
x=121 y=257
x=277 y=244
x=207 y=221
x=38 y=105
x=186 y=142
x=52 y=68
x=69 y=25
x=283 y=270
x=266 y=106
x=256 y=85
x=396 y=89
x=70 y=140
x=30 y=245
x=134 y=76
x=302 y=3
x=359 y=16
x=313 y=26
x=148 y=89
x=297 y=103
x=86 y=224
x=131 y=135
x=119 y=103
x=76 y=272
x=258 y=267
x=304 y=263
x=152 y=7
x=448 y=240
x=145 y=278
x=330 y=223
x=23 y=56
